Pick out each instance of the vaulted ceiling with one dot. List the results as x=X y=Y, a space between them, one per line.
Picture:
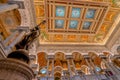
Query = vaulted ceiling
x=9 y=21
x=87 y=22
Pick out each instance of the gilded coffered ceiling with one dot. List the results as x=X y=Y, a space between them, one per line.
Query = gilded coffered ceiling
x=87 y=22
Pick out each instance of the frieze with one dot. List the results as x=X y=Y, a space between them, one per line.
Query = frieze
x=69 y=50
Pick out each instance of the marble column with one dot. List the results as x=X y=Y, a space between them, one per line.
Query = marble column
x=47 y=73
x=7 y=7
x=91 y=69
x=53 y=68
x=69 y=69
x=109 y=66
x=112 y=69
x=96 y=73
x=74 y=67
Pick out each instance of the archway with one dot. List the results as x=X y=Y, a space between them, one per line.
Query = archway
x=42 y=61
x=58 y=72
x=57 y=76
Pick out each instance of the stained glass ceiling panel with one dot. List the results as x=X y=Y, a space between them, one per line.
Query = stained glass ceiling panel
x=74 y=16
x=59 y=23
x=60 y=11
x=76 y=12
x=73 y=24
x=86 y=25
x=90 y=13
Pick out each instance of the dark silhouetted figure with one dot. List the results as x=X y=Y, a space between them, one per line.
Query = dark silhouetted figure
x=29 y=38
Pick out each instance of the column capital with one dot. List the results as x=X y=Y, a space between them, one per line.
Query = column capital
x=50 y=57
x=86 y=56
x=69 y=57
x=103 y=56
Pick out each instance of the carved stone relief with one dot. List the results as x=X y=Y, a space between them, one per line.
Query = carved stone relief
x=27 y=13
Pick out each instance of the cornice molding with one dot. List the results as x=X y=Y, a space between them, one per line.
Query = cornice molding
x=69 y=49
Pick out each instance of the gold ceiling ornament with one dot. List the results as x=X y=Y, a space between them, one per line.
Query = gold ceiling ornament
x=84 y=38
x=110 y=15
x=98 y=38
x=71 y=37
x=58 y=37
x=39 y=10
x=104 y=28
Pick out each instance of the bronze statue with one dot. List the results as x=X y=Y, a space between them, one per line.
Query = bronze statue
x=29 y=38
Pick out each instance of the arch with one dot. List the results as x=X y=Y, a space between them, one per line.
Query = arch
x=92 y=54
x=58 y=72
x=97 y=60
x=58 y=69
x=41 y=59
x=57 y=76
x=27 y=14
x=108 y=55
x=60 y=56
x=77 y=56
